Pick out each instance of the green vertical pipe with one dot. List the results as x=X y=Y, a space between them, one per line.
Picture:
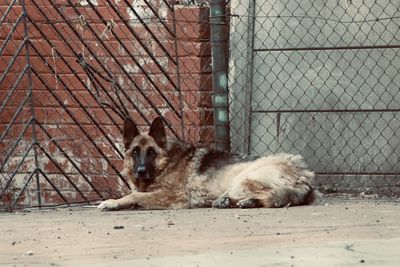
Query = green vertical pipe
x=219 y=51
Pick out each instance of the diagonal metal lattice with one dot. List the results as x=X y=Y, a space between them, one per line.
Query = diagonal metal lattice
x=70 y=73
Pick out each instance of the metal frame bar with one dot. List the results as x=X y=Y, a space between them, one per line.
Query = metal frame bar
x=32 y=104
x=327 y=48
x=327 y=110
x=219 y=49
x=249 y=77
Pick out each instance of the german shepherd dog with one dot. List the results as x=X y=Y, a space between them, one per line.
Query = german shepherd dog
x=166 y=174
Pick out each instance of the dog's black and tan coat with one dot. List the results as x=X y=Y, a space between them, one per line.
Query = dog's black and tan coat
x=166 y=174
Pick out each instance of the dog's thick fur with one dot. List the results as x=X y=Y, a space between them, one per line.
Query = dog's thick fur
x=167 y=174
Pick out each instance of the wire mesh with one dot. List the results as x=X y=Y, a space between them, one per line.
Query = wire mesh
x=319 y=78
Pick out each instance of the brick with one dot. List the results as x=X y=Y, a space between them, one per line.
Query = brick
x=195 y=65
x=92 y=166
x=41 y=99
x=173 y=97
x=57 y=115
x=196 y=82
x=6 y=199
x=50 y=197
x=27 y=166
x=13 y=15
x=64 y=185
x=14 y=99
x=192 y=116
x=161 y=81
x=192 y=31
x=186 y=48
x=193 y=99
x=63 y=2
x=75 y=82
x=206 y=135
x=17 y=66
x=10 y=49
x=192 y=22
x=56 y=48
x=8 y=113
x=50 y=166
x=117 y=163
x=17 y=35
x=107 y=183
x=206 y=117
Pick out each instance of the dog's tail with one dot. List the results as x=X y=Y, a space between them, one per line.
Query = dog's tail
x=304 y=176
x=301 y=166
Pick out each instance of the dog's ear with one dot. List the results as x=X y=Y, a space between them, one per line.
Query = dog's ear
x=130 y=132
x=157 y=131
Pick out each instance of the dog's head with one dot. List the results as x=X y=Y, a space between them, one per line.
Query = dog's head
x=145 y=154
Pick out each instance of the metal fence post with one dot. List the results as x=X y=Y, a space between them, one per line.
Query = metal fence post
x=219 y=50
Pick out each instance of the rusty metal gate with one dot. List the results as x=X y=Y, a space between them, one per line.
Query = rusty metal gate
x=71 y=70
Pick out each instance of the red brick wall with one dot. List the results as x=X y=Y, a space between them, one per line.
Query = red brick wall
x=83 y=137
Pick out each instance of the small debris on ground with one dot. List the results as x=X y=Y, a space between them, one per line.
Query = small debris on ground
x=117 y=227
x=29 y=253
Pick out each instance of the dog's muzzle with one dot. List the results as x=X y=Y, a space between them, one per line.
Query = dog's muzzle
x=142 y=173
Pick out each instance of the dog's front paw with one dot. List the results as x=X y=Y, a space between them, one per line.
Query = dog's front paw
x=110 y=204
x=247 y=203
x=221 y=203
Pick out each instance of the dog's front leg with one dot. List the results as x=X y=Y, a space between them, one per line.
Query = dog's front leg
x=146 y=200
x=125 y=202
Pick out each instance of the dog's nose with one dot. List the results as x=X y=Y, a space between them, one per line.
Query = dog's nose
x=141 y=172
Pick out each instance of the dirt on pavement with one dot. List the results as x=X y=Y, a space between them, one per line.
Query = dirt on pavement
x=333 y=232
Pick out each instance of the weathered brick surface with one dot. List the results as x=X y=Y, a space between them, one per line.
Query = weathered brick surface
x=68 y=106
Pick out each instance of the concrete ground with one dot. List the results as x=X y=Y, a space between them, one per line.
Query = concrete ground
x=334 y=232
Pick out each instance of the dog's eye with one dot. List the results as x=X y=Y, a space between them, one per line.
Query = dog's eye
x=136 y=151
x=151 y=152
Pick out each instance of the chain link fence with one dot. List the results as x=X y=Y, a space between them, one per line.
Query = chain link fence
x=320 y=78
